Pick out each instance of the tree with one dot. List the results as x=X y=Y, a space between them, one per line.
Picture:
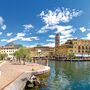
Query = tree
x=88 y=52
x=70 y=56
x=3 y=56
x=17 y=54
x=23 y=54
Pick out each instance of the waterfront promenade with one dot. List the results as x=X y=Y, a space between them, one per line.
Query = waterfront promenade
x=10 y=72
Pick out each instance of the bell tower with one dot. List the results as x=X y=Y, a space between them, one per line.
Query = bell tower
x=57 y=40
x=57 y=43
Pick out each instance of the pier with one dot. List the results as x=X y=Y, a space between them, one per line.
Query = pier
x=14 y=76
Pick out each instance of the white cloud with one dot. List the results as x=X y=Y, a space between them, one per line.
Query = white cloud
x=87 y=36
x=43 y=29
x=59 y=15
x=28 y=26
x=3 y=40
x=82 y=29
x=57 y=28
x=20 y=34
x=2 y=25
x=0 y=33
x=51 y=36
x=35 y=38
x=11 y=39
x=65 y=36
x=50 y=40
x=50 y=44
x=25 y=39
x=1 y=20
x=64 y=30
x=9 y=34
x=52 y=19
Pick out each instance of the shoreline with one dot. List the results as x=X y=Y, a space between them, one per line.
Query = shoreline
x=14 y=77
x=20 y=82
x=71 y=60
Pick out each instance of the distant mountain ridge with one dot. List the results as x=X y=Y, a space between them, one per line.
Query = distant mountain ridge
x=13 y=44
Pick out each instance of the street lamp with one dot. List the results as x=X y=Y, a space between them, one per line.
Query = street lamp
x=39 y=52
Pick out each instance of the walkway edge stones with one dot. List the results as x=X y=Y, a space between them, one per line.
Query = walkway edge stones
x=20 y=82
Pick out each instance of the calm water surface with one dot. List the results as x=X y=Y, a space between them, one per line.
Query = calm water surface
x=68 y=76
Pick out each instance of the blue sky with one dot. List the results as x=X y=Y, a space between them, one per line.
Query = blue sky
x=33 y=22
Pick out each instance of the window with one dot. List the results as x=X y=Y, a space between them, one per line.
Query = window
x=79 y=51
x=82 y=51
x=74 y=46
x=86 y=47
x=78 y=47
x=82 y=47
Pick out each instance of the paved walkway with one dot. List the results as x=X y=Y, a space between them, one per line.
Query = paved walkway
x=10 y=72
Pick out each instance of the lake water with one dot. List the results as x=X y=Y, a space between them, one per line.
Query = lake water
x=68 y=76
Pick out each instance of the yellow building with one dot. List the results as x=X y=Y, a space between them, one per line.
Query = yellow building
x=81 y=46
x=42 y=51
x=76 y=46
x=61 y=50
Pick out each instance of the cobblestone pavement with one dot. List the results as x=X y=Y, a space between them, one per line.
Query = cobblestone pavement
x=10 y=72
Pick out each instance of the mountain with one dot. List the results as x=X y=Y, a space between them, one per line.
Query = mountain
x=13 y=44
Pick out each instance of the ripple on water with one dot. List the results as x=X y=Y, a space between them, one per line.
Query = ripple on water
x=68 y=76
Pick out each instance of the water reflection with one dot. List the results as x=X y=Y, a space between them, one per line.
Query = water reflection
x=69 y=76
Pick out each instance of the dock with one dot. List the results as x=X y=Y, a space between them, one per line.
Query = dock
x=14 y=75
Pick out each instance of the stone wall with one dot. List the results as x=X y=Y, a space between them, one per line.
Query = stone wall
x=20 y=82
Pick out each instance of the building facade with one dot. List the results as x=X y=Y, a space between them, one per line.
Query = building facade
x=9 y=50
x=42 y=51
x=76 y=46
x=79 y=46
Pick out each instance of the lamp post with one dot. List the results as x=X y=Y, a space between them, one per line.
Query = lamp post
x=39 y=52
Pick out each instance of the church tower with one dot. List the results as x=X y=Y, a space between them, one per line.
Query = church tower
x=57 y=43
x=57 y=40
